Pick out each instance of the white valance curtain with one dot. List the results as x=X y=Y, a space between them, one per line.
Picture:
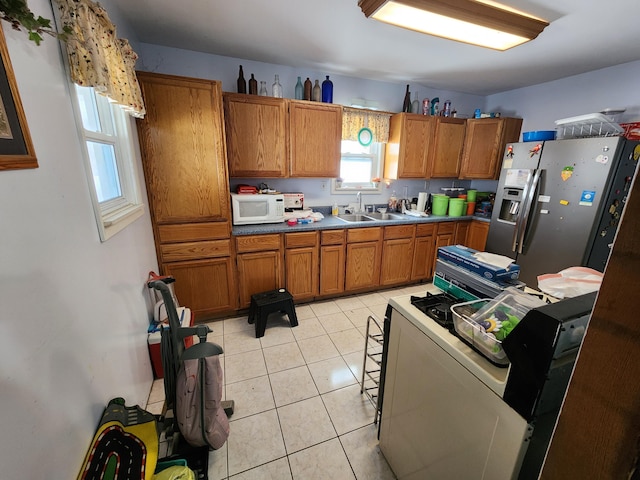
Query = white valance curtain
x=355 y=119
x=97 y=58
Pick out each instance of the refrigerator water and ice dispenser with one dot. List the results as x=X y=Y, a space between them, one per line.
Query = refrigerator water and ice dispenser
x=510 y=207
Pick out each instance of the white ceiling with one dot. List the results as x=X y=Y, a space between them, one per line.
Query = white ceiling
x=334 y=36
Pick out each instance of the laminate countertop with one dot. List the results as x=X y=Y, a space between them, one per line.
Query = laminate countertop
x=332 y=223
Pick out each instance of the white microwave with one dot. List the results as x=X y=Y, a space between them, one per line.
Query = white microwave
x=250 y=209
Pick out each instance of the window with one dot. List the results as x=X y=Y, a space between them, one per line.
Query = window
x=109 y=161
x=359 y=165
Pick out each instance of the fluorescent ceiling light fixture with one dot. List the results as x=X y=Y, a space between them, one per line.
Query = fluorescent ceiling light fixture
x=478 y=22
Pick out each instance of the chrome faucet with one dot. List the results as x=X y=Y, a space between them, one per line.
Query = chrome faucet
x=359 y=200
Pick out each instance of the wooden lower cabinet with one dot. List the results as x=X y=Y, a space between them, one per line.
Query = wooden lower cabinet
x=397 y=255
x=462 y=229
x=445 y=235
x=363 y=258
x=423 y=251
x=332 y=262
x=301 y=264
x=477 y=235
x=205 y=286
x=260 y=265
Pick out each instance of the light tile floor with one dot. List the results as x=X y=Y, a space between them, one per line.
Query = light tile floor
x=299 y=413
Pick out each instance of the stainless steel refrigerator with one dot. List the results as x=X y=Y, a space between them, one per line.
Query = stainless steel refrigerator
x=558 y=203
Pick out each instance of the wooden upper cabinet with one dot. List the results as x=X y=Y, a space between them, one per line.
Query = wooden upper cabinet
x=485 y=141
x=315 y=131
x=257 y=135
x=447 y=147
x=410 y=142
x=183 y=149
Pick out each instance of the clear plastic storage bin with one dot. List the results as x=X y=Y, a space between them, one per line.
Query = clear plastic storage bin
x=477 y=321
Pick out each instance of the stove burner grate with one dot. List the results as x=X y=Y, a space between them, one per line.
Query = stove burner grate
x=437 y=307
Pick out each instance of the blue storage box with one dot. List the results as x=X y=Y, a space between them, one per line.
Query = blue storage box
x=464 y=257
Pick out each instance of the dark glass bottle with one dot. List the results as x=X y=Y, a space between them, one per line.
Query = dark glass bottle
x=307 y=89
x=242 y=84
x=406 y=106
x=327 y=91
x=253 y=85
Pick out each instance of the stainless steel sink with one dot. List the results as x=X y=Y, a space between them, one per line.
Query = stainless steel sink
x=355 y=217
x=368 y=217
x=385 y=216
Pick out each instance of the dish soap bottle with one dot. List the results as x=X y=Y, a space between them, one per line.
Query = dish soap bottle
x=334 y=210
x=393 y=202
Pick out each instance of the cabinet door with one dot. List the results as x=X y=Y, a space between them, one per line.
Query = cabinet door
x=397 y=257
x=332 y=269
x=301 y=268
x=423 y=258
x=485 y=142
x=447 y=147
x=315 y=134
x=462 y=229
x=445 y=236
x=205 y=286
x=477 y=235
x=258 y=272
x=409 y=146
x=362 y=265
x=183 y=149
x=257 y=135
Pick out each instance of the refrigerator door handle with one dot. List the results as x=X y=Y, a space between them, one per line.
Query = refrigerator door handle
x=520 y=217
x=526 y=214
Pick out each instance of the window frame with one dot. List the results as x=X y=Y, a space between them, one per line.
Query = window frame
x=371 y=188
x=113 y=215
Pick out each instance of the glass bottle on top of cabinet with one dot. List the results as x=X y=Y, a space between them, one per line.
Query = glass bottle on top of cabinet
x=317 y=92
x=263 y=88
x=299 y=89
x=307 y=89
x=327 y=91
x=253 y=85
x=276 y=90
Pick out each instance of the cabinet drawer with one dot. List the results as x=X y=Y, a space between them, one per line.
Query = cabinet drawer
x=425 y=229
x=446 y=227
x=175 y=252
x=301 y=239
x=258 y=243
x=186 y=232
x=399 y=231
x=332 y=237
x=364 y=234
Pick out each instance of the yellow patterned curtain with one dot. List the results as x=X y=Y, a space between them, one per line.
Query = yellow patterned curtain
x=99 y=59
x=354 y=119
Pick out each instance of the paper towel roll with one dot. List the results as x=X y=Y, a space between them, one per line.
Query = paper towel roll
x=422 y=201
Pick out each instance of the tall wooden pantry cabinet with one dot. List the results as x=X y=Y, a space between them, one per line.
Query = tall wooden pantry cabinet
x=184 y=160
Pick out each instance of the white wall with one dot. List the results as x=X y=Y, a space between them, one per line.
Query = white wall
x=541 y=105
x=74 y=310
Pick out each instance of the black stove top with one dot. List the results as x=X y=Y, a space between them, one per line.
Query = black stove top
x=437 y=307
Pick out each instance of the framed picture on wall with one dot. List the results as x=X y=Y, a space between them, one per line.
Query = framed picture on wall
x=16 y=149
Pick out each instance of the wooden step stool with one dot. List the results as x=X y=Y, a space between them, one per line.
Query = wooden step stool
x=266 y=303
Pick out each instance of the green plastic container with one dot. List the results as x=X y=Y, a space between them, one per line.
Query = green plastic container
x=456 y=207
x=439 y=205
x=471 y=195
